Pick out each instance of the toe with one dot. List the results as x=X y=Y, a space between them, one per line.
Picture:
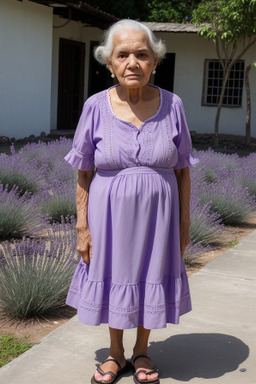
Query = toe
x=102 y=379
x=142 y=376
x=98 y=376
x=107 y=378
x=153 y=376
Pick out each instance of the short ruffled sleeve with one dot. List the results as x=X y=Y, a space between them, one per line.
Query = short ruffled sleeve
x=81 y=155
x=183 y=139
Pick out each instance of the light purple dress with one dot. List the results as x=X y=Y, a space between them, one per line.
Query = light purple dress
x=136 y=275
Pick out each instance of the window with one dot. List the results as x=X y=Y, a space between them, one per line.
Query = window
x=213 y=82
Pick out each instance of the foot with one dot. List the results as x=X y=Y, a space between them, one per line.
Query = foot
x=110 y=366
x=144 y=364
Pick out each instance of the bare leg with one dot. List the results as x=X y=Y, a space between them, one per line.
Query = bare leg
x=116 y=352
x=141 y=348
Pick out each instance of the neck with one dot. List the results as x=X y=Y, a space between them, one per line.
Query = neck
x=131 y=95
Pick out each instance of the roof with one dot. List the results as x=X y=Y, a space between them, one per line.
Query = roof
x=80 y=11
x=172 y=27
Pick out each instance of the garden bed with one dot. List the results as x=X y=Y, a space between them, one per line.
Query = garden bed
x=37 y=210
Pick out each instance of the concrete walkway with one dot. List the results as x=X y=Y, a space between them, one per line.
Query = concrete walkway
x=215 y=343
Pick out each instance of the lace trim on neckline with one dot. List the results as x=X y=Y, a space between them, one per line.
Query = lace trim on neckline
x=129 y=122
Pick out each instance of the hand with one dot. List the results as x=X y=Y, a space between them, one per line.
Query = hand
x=184 y=240
x=84 y=244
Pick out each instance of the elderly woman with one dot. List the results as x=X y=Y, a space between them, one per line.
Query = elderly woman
x=133 y=211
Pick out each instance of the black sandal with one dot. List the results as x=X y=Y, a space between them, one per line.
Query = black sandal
x=116 y=377
x=136 y=374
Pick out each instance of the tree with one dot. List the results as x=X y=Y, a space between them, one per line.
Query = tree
x=248 y=103
x=133 y=9
x=171 y=11
x=148 y=10
x=231 y=25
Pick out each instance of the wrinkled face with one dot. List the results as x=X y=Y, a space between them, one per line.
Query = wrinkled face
x=132 y=59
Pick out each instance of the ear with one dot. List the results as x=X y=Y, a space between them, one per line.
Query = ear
x=156 y=62
x=109 y=64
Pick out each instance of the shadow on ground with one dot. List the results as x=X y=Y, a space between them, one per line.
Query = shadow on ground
x=204 y=355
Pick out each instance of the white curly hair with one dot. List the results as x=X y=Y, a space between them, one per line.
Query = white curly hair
x=104 y=50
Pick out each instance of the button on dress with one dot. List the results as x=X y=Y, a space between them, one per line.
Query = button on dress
x=136 y=276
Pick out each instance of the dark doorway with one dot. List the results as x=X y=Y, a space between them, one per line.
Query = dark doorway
x=99 y=75
x=164 y=76
x=71 y=83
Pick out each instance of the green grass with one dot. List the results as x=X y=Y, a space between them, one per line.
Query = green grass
x=233 y=243
x=10 y=348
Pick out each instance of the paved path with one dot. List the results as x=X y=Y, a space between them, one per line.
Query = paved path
x=215 y=343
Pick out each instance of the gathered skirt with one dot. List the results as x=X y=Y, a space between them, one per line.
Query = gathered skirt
x=136 y=276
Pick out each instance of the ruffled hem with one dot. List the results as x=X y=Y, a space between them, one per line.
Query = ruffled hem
x=128 y=306
x=186 y=160
x=79 y=160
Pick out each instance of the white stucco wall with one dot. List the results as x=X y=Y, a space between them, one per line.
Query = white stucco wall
x=191 y=52
x=25 y=68
x=72 y=31
x=29 y=47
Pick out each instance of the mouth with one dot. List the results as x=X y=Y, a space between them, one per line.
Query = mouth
x=132 y=75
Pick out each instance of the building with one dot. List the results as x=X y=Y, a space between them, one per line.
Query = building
x=47 y=69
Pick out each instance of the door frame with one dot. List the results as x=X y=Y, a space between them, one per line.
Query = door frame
x=62 y=72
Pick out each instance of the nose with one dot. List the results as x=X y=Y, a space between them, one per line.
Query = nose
x=132 y=64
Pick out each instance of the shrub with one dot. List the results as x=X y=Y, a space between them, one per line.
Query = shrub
x=50 y=157
x=248 y=174
x=14 y=173
x=193 y=251
x=18 y=216
x=205 y=227
x=233 y=203
x=215 y=167
x=35 y=275
x=58 y=203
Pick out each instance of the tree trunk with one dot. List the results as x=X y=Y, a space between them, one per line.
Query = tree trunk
x=248 y=106
x=226 y=73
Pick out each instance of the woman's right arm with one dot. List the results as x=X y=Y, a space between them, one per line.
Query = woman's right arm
x=84 y=241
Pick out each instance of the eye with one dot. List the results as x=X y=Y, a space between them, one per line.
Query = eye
x=122 y=56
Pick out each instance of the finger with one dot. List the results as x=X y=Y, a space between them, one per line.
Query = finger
x=183 y=249
x=84 y=252
x=86 y=258
x=90 y=251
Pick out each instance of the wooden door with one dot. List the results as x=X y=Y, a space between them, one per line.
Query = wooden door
x=71 y=83
x=99 y=75
x=164 y=76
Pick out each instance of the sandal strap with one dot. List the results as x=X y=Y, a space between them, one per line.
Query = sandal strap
x=155 y=370
x=106 y=373
x=140 y=356
x=136 y=375
x=114 y=360
x=109 y=372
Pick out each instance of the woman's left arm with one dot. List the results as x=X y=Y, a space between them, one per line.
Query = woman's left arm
x=183 y=180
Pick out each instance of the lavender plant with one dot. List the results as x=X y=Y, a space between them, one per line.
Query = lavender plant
x=35 y=275
x=18 y=215
x=14 y=173
x=205 y=227
x=49 y=157
x=232 y=202
x=247 y=176
x=214 y=167
x=193 y=251
x=59 y=202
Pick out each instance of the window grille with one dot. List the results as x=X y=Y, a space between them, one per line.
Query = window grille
x=213 y=82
